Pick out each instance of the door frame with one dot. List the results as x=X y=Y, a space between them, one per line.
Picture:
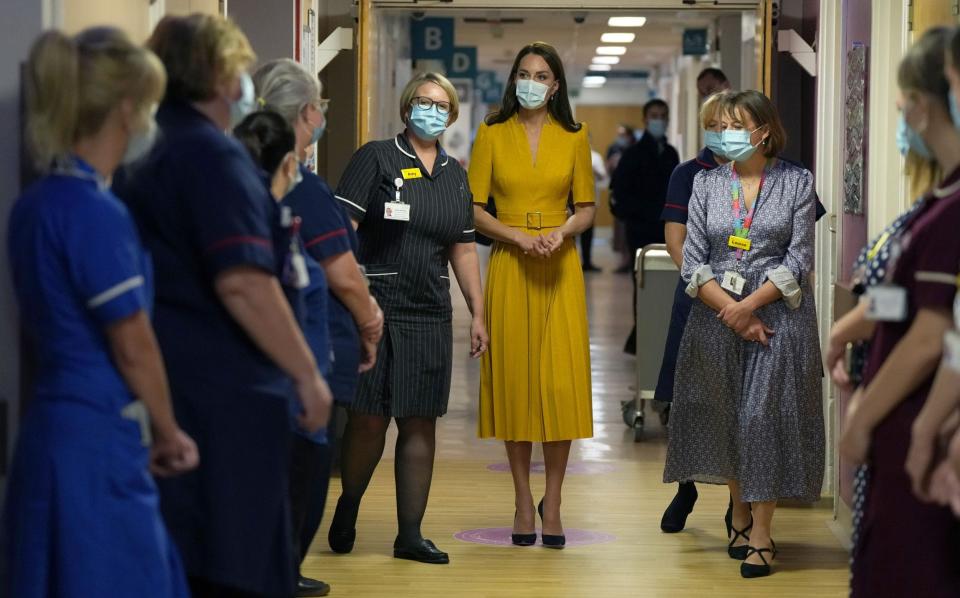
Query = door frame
x=368 y=25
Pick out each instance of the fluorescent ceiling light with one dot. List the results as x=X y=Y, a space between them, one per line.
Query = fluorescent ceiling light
x=592 y=85
x=606 y=60
x=612 y=50
x=618 y=38
x=594 y=79
x=601 y=67
x=627 y=21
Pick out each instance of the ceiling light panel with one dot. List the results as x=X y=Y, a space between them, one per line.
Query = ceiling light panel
x=606 y=60
x=618 y=38
x=627 y=21
x=611 y=50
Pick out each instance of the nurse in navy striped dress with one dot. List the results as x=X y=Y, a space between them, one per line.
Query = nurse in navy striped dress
x=414 y=212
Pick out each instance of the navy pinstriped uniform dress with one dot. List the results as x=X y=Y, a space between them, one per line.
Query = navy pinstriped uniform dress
x=406 y=262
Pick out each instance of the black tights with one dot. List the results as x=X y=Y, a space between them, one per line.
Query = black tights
x=363 y=444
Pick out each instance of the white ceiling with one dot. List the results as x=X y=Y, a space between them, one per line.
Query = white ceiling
x=658 y=42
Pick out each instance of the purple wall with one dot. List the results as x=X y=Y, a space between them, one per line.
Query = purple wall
x=856 y=29
x=856 y=25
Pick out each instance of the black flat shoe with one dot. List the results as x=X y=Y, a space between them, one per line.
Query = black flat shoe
x=342 y=534
x=311 y=587
x=675 y=517
x=728 y=518
x=523 y=539
x=550 y=541
x=739 y=552
x=423 y=551
x=750 y=571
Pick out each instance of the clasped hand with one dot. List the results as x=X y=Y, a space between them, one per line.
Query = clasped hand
x=542 y=245
x=740 y=318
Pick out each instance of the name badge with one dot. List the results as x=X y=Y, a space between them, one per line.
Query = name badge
x=411 y=173
x=739 y=242
x=733 y=282
x=300 y=275
x=887 y=303
x=396 y=211
x=951 y=350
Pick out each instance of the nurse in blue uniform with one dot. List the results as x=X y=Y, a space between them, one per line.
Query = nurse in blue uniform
x=230 y=339
x=271 y=143
x=81 y=513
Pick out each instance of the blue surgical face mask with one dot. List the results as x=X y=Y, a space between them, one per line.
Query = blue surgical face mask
x=657 y=127
x=317 y=132
x=714 y=142
x=736 y=145
x=140 y=143
x=246 y=103
x=427 y=124
x=954 y=111
x=532 y=94
x=910 y=140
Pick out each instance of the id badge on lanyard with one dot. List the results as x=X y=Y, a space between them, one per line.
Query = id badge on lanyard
x=397 y=210
x=739 y=241
x=887 y=303
x=295 y=272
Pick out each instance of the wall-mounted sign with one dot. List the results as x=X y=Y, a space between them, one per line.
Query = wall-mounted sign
x=431 y=38
x=463 y=63
x=694 y=42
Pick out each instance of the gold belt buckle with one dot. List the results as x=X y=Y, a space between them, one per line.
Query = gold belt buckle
x=538 y=220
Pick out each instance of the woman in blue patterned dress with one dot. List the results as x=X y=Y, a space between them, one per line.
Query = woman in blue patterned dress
x=747 y=410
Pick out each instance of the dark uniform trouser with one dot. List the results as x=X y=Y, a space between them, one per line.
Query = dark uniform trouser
x=309 y=482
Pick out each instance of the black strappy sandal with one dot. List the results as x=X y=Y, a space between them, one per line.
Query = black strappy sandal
x=739 y=552
x=750 y=571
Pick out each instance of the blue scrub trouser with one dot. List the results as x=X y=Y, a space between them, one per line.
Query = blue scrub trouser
x=314 y=491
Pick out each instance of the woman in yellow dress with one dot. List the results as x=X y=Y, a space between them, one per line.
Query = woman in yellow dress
x=531 y=156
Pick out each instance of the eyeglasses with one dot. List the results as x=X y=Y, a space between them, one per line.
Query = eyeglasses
x=425 y=103
x=321 y=105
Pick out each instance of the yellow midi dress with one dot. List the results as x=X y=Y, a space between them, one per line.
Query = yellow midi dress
x=535 y=379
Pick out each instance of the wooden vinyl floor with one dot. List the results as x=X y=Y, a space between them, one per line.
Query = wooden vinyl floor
x=626 y=501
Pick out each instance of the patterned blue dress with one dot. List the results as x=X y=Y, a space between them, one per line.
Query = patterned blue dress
x=743 y=411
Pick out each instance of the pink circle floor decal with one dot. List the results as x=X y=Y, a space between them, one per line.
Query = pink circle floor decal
x=500 y=536
x=575 y=468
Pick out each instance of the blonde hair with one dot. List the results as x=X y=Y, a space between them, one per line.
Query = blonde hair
x=286 y=87
x=73 y=83
x=711 y=107
x=922 y=174
x=410 y=92
x=200 y=51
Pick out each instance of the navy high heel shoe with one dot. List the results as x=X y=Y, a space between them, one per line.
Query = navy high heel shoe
x=550 y=541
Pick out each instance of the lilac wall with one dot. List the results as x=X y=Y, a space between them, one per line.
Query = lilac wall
x=856 y=29
x=856 y=25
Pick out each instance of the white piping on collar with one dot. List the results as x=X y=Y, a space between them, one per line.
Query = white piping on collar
x=446 y=157
x=947 y=191
x=396 y=141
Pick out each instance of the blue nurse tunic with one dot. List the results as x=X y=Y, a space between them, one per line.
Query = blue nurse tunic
x=203 y=210
x=82 y=514
x=327 y=232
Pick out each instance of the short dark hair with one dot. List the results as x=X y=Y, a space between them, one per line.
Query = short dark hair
x=653 y=104
x=712 y=72
x=763 y=113
x=268 y=138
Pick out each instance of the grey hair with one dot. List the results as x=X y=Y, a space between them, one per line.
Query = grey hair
x=285 y=87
